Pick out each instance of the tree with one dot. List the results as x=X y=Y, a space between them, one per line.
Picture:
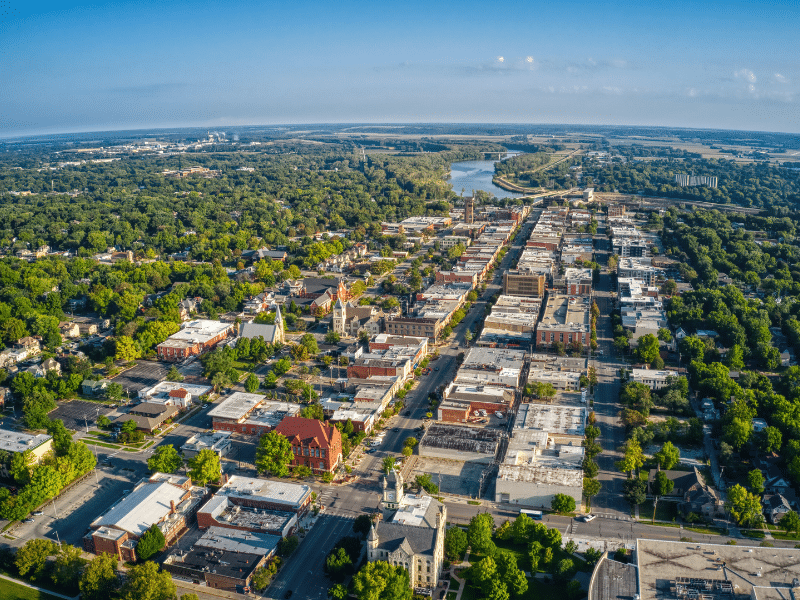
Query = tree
x=769 y=440
x=790 y=522
x=362 y=525
x=662 y=485
x=127 y=349
x=755 y=481
x=309 y=342
x=664 y=335
x=635 y=490
x=190 y=597
x=564 y=570
x=338 y=564
x=744 y=506
x=633 y=459
x=563 y=503
x=387 y=464
x=99 y=578
x=591 y=487
x=273 y=455
x=483 y=573
x=145 y=582
x=174 y=374
x=152 y=541
x=68 y=566
x=378 y=580
x=251 y=383
x=165 y=460
x=338 y=592
x=332 y=337
x=113 y=392
x=668 y=456
x=521 y=528
x=455 y=543
x=204 y=466
x=647 y=348
x=592 y=555
x=312 y=411
x=479 y=533
x=32 y=557
x=219 y=381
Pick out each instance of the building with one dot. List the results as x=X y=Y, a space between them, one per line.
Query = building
x=270 y=333
x=316 y=287
x=492 y=366
x=430 y=327
x=460 y=443
x=563 y=424
x=469 y=210
x=522 y=282
x=218 y=441
x=266 y=494
x=350 y=320
x=577 y=282
x=250 y=414
x=639 y=268
x=149 y=416
x=566 y=319
x=684 y=180
x=653 y=378
x=314 y=444
x=223 y=559
x=412 y=537
x=167 y=501
x=195 y=338
x=173 y=393
x=15 y=442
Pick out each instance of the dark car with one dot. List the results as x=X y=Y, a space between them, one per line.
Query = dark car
x=288 y=594
x=435 y=368
x=407 y=413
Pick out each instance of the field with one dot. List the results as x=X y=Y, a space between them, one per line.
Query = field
x=13 y=591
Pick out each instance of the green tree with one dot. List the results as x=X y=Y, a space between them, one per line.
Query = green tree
x=521 y=529
x=174 y=374
x=204 y=466
x=744 y=506
x=165 y=459
x=338 y=564
x=251 y=383
x=647 y=348
x=145 y=582
x=755 y=481
x=563 y=503
x=338 y=592
x=790 y=522
x=564 y=570
x=332 y=337
x=633 y=459
x=635 y=490
x=661 y=486
x=668 y=456
x=99 y=578
x=67 y=566
x=273 y=455
x=190 y=597
x=220 y=380
x=127 y=349
x=455 y=543
x=31 y=558
x=151 y=542
x=362 y=524
x=378 y=580
x=113 y=392
x=591 y=487
x=664 y=335
x=483 y=573
x=387 y=464
x=769 y=440
x=479 y=533
x=592 y=555
x=309 y=342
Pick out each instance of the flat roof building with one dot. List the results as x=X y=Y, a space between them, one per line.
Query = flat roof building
x=460 y=443
x=194 y=338
x=492 y=366
x=566 y=319
x=218 y=441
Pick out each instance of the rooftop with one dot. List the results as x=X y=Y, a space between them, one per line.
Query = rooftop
x=201 y=330
x=493 y=359
x=14 y=441
x=462 y=438
x=571 y=312
x=268 y=490
x=236 y=406
x=554 y=419
x=681 y=570
x=232 y=540
x=207 y=439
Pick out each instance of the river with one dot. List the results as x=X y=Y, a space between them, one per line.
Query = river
x=472 y=175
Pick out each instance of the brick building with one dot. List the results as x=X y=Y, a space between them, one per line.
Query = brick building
x=428 y=327
x=314 y=444
x=196 y=337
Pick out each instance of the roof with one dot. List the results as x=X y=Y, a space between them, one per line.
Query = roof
x=254 y=330
x=14 y=441
x=305 y=430
x=236 y=406
x=268 y=490
x=152 y=410
x=200 y=331
x=232 y=540
x=148 y=503
x=413 y=539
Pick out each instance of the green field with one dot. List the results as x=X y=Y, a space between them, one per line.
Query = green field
x=13 y=591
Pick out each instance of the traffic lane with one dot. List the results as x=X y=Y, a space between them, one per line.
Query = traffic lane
x=303 y=572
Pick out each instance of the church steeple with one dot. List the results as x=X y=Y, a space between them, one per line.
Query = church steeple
x=279 y=331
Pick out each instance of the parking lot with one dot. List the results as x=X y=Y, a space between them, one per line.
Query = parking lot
x=452 y=477
x=144 y=374
x=79 y=414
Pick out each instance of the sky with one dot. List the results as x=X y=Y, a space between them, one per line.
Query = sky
x=79 y=66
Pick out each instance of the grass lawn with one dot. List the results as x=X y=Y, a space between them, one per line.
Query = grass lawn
x=665 y=511
x=451 y=595
x=705 y=529
x=13 y=591
x=754 y=533
x=782 y=535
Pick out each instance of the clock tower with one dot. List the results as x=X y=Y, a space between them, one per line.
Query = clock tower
x=392 y=489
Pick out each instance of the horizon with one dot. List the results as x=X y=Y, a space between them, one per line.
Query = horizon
x=78 y=67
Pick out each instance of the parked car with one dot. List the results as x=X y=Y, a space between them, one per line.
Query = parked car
x=37 y=513
x=28 y=521
x=588 y=518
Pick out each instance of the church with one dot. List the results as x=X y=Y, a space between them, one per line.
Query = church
x=413 y=536
x=349 y=320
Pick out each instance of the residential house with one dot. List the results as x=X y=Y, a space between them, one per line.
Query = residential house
x=775 y=506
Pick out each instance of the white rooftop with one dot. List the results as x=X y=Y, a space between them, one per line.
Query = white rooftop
x=14 y=441
x=412 y=510
x=201 y=330
x=266 y=489
x=236 y=406
x=554 y=419
x=232 y=540
x=148 y=503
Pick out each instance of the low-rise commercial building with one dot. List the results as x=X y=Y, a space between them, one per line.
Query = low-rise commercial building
x=566 y=319
x=173 y=393
x=460 y=443
x=492 y=366
x=217 y=441
x=196 y=337
x=15 y=442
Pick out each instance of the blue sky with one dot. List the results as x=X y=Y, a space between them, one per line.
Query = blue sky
x=75 y=66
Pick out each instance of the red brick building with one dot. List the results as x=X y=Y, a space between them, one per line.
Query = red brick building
x=314 y=444
x=470 y=277
x=195 y=338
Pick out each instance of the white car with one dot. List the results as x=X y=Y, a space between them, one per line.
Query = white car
x=588 y=518
x=498 y=414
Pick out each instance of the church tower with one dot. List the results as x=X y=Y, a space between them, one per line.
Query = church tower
x=469 y=209
x=392 y=489
x=339 y=317
x=279 y=331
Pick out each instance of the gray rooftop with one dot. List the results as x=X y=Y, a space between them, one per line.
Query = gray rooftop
x=232 y=540
x=14 y=441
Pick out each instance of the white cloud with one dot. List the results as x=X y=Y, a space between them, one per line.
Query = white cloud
x=745 y=74
x=500 y=59
x=529 y=59
x=781 y=78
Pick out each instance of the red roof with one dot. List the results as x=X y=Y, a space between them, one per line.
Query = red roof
x=306 y=430
x=179 y=393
